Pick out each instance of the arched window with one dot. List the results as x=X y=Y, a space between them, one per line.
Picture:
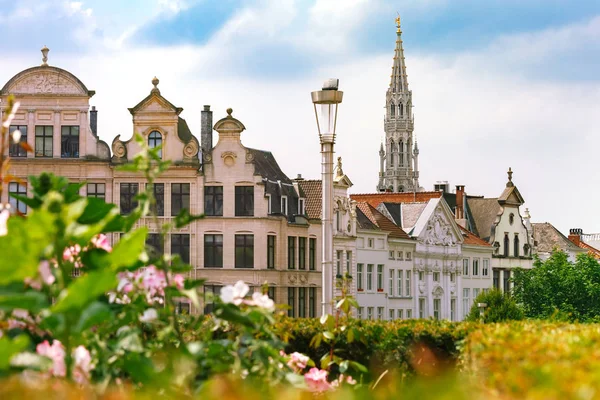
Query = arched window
x=401 y=109
x=511 y=218
x=392 y=111
x=401 y=156
x=155 y=140
x=516 y=243
x=392 y=154
x=506 y=244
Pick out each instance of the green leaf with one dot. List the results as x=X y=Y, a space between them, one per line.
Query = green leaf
x=359 y=367
x=95 y=211
x=129 y=248
x=350 y=335
x=344 y=366
x=85 y=289
x=328 y=335
x=184 y=218
x=71 y=194
x=30 y=361
x=32 y=300
x=94 y=314
x=9 y=347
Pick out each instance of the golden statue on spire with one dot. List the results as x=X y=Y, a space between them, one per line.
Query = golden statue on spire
x=398 y=23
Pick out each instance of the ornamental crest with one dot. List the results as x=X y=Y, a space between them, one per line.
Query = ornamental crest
x=438 y=231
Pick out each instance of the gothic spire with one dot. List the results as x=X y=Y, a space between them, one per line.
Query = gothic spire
x=399 y=82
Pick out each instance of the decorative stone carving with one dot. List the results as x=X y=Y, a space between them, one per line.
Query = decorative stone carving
x=438 y=291
x=228 y=158
x=207 y=157
x=303 y=278
x=421 y=288
x=438 y=231
x=42 y=82
x=292 y=278
x=118 y=148
x=191 y=149
x=249 y=157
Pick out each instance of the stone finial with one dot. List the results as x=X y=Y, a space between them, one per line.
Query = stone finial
x=229 y=111
x=510 y=182
x=45 y=51
x=340 y=172
x=155 y=82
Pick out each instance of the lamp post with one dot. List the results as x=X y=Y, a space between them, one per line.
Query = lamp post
x=326 y=103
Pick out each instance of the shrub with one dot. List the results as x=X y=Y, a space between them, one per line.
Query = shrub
x=500 y=307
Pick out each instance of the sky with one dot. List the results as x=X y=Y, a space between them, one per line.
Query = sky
x=496 y=83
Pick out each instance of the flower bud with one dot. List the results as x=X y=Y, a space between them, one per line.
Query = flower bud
x=16 y=136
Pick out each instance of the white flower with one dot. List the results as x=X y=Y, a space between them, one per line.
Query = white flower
x=16 y=136
x=149 y=315
x=263 y=301
x=4 y=214
x=234 y=294
x=11 y=116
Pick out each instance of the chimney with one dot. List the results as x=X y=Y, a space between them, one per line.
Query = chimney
x=299 y=178
x=575 y=235
x=94 y=120
x=206 y=128
x=459 y=213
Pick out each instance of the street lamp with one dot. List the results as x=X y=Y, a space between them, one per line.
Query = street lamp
x=326 y=104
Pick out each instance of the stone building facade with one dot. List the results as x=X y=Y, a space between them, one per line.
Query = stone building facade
x=256 y=228
x=399 y=155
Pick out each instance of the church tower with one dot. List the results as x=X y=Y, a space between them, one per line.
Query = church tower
x=398 y=166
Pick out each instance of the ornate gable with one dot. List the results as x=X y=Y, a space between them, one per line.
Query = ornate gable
x=46 y=81
x=440 y=228
x=155 y=102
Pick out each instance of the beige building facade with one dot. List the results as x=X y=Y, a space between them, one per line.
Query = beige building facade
x=256 y=228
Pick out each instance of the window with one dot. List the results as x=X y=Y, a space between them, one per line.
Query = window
x=400 y=256
x=302 y=302
x=421 y=276
x=496 y=279
x=301 y=253
x=338 y=221
x=153 y=244
x=360 y=312
x=158 y=190
x=301 y=206
x=466 y=302
x=516 y=245
x=506 y=244
x=21 y=190
x=127 y=197
x=244 y=201
x=154 y=141
x=312 y=252
x=291 y=252
x=453 y=309
x=292 y=302
x=338 y=263
x=180 y=244
x=407 y=284
x=511 y=218
x=476 y=267
x=359 y=277
x=392 y=281
x=369 y=312
x=213 y=201
x=271 y=292
x=213 y=251
x=436 y=276
x=506 y=281
x=244 y=251
x=348 y=262
x=380 y=278
x=422 y=312
x=69 y=142
x=209 y=292
x=452 y=277
x=15 y=149
x=408 y=256
x=312 y=302
x=369 y=276
x=370 y=243
x=408 y=313
x=43 y=141
x=284 y=205
x=269 y=205
x=465 y=267
x=401 y=109
x=380 y=313
x=271 y=251
x=392 y=111
x=97 y=190
x=400 y=316
x=182 y=308
x=437 y=305
x=485 y=271
x=400 y=283
x=391 y=254
x=392 y=314
x=180 y=197
x=475 y=293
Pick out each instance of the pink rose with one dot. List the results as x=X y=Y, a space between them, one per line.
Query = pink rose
x=316 y=380
x=179 y=281
x=83 y=365
x=101 y=242
x=297 y=361
x=46 y=273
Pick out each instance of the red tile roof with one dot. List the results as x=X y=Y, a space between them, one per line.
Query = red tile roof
x=313 y=192
x=381 y=221
x=374 y=199
x=471 y=239
x=592 y=251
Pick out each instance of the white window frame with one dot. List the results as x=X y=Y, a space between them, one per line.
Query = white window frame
x=284 y=205
x=359 y=276
x=370 y=277
x=359 y=312
x=422 y=304
x=408 y=276
x=400 y=314
x=485 y=269
x=392 y=314
x=465 y=267
x=408 y=313
x=437 y=309
x=380 y=269
x=400 y=282
x=301 y=206
x=436 y=276
x=269 y=209
x=380 y=311
x=400 y=255
x=408 y=256
x=453 y=309
x=392 y=282
x=466 y=302
x=391 y=254
x=370 y=313
x=370 y=243
x=475 y=265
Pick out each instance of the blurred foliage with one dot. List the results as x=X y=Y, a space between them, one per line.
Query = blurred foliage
x=499 y=307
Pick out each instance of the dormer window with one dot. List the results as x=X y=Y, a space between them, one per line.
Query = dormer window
x=301 y=206
x=155 y=140
x=269 y=209
x=284 y=205
x=511 y=218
